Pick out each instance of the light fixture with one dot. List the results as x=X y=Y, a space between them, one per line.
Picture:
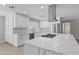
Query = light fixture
x=3 y=4
x=25 y=12
x=42 y=7
x=36 y=16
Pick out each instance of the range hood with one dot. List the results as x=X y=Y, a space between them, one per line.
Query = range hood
x=52 y=13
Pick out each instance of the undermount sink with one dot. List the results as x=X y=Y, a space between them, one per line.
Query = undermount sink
x=19 y=30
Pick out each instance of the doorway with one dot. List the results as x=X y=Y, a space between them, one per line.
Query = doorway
x=66 y=28
x=2 y=28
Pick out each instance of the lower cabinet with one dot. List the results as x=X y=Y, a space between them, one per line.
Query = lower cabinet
x=32 y=50
x=29 y=50
x=15 y=37
x=19 y=39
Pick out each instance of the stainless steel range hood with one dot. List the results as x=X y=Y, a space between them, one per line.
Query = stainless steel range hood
x=52 y=13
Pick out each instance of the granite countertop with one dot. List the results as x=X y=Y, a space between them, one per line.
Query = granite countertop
x=63 y=43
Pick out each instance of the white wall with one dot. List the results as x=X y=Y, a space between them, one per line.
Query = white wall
x=70 y=11
x=74 y=28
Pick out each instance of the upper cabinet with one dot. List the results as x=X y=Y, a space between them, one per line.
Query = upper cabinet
x=24 y=21
x=20 y=20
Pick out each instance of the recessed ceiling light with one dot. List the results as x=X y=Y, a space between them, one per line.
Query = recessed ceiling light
x=36 y=16
x=25 y=12
x=3 y=4
x=42 y=6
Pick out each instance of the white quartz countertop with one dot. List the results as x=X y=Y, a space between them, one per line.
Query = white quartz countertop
x=63 y=43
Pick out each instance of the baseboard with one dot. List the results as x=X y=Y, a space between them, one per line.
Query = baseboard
x=20 y=45
x=8 y=43
x=2 y=41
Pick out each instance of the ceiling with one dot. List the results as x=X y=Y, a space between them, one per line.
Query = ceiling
x=68 y=11
x=35 y=10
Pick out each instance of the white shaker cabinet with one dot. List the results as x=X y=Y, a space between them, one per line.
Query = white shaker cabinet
x=16 y=20
x=20 y=20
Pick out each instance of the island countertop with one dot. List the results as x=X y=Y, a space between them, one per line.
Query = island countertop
x=63 y=43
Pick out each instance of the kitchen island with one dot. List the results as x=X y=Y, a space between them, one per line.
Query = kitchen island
x=61 y=44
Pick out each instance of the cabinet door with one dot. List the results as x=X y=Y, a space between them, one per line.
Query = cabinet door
x=30 y=50
x=20 y=40
x=53 y=53
x=20 y=20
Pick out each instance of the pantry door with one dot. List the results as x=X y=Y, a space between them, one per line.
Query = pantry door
x=66 y=28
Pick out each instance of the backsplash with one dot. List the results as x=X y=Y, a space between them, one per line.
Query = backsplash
x=44 y=31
